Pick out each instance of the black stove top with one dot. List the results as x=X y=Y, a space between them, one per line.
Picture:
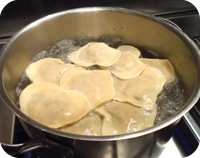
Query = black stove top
x=21 y=12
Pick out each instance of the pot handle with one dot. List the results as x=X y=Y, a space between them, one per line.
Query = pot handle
x=18 y=149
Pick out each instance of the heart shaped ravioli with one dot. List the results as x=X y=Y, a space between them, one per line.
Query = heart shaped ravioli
x=53 y=106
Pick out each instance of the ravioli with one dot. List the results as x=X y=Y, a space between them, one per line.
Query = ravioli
x=127 y=66
x=53 y=106
x=97 y=85
x=48 y=69
x=119 y=99
x=133 y=50
x=121 y=118
x=90 y=125
x=141 y=91
x=95 y=53
x=161 y=64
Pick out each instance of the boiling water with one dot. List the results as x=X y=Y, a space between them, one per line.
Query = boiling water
x=169 y=101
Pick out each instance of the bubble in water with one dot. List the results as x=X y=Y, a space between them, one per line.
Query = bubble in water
x=170 y=100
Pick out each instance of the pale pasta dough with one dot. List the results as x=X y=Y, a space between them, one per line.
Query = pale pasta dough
x=119 y=99
x=95 y=53
x=133 y=50
x=97 y=85
x=120 y=118
x=53 y=106
x=142 y=90
x=48 y=69
x=127 y=66
x=161 y=64
x=90 y=125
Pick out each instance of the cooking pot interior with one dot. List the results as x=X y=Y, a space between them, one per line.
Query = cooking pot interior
x=137 y=28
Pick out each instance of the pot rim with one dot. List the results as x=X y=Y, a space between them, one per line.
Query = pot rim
x=189 y=104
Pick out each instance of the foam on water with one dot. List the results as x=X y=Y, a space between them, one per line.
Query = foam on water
x=169 y=101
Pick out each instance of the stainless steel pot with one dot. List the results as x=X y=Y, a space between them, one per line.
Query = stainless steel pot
x=138 y=28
